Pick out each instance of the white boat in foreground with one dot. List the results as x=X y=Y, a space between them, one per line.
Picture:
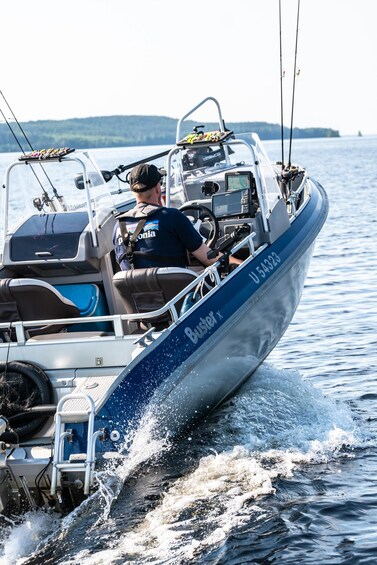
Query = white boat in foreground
x=87 y=349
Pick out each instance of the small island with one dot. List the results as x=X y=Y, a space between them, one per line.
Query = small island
x=127 y=131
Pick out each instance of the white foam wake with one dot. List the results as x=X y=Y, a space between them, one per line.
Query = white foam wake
x=35 y=530
x=24 y=537
x=275 y=424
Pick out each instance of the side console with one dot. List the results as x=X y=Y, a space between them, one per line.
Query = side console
x=54 y=245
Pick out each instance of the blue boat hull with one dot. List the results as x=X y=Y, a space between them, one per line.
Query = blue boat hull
x=191 y=369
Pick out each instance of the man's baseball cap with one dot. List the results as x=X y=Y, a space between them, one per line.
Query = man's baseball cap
x=144 y=177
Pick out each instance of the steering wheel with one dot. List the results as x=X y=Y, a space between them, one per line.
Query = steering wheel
x=199 y=216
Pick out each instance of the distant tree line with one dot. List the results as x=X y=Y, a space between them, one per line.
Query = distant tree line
x=125 y=131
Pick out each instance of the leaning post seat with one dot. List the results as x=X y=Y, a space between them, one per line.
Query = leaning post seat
x=145 y=290
x=31 y=299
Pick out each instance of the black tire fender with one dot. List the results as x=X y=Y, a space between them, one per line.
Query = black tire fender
x=17 y=377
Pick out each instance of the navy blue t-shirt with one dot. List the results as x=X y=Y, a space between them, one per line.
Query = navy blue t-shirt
x=166 y=237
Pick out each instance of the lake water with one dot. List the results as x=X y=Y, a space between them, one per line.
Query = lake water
x=286 y=472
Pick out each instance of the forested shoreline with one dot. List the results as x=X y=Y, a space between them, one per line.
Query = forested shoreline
x=126 y=131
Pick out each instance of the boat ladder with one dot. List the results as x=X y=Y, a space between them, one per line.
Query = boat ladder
x=82 y=462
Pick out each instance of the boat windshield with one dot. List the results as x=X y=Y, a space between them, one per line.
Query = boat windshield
x=73 y=183
x=189 y=168
x=270 y=187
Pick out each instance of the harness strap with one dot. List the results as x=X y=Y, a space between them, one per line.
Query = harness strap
x=130 y=239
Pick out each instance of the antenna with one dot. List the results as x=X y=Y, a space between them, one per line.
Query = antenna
x=281 y=92
x=294 y=86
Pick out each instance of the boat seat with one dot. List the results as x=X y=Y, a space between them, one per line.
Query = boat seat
x=32 y=299
x=145 y=290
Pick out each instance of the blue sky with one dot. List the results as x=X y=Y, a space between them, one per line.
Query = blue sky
x=84 y=58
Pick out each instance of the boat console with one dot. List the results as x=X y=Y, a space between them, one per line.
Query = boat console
x=70 y=232
x=239 y=199
x=56 y=244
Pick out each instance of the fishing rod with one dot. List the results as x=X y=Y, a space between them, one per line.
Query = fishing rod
x=59 y=197
x=17 y=122
x=281 y=92
x=122 y=168
x=11 y=130
x=294 y=86
x=46 y=197
x=108 y=175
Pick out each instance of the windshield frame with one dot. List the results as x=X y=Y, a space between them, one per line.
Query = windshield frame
x=94 y=197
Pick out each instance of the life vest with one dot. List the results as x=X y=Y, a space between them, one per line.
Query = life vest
x=141 y=212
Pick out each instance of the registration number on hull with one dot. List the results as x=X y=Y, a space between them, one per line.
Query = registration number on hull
x=265 y=267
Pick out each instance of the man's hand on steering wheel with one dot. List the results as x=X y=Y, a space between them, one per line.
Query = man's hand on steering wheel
x=199 y=216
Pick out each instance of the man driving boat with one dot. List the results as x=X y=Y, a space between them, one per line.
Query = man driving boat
x=152 y=235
